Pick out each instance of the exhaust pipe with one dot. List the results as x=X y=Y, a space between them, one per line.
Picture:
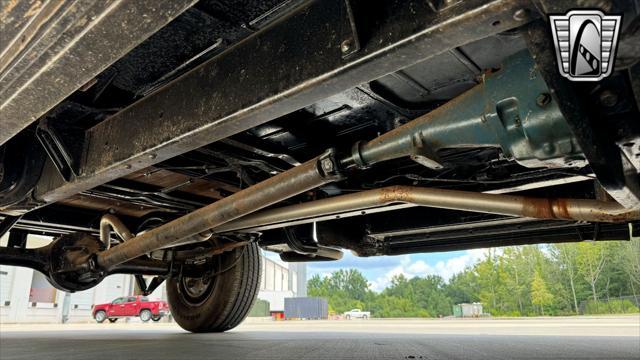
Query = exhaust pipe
x=522 y=206
x=108 y=222
x=310 y=175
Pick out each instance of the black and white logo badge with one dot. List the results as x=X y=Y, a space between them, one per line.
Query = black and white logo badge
x=585 y=43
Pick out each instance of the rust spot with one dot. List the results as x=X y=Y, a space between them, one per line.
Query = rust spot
x=560 y=208
x=33 y=9
x=395 y=194
x=537 y=208
x=8 y=6
x=564 y=209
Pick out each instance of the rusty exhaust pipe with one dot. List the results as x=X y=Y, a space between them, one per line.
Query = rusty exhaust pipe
x=108 y=222
x=522 y=206
x=316 y=172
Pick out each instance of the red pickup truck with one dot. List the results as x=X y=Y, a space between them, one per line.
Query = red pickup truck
x=131 y=306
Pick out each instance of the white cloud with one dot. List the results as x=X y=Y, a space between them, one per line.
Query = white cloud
x=445 y=269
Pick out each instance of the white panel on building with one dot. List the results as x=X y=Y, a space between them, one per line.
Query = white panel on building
x=82 y=299
x=269 y=283
x=36 y=241
x=285 y=280
x=160 y=292
x=41 y=293
x=275 y=299
x=278 y=278
x=112 y=287
x=6 y=282
x=294 y=282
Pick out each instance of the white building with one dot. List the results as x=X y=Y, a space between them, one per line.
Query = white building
x=26 y=295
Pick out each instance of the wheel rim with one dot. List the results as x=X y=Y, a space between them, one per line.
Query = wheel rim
x=145 y=315
x=100 y=316
x=196 y=287
x=196 y=290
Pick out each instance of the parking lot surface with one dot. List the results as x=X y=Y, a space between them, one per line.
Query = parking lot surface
x=536 y=338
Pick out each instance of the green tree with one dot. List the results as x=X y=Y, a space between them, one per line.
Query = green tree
x=489 y=281
x=565 y=256
x=631 y=253
x=539 y=294
x=518 y=281
x=344 y=289
x=591 y=260
x=463 y=287
x=430 y=294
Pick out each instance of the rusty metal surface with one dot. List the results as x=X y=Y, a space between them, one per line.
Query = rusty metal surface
x=49 y=49
x=209 y=188
x=20 y=22
x=84 y=201
x=108 y=222
x=540 y=208
x=199 y=253
x=292 y=182
x=231 y=92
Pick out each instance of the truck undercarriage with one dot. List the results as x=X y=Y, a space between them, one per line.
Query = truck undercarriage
x=176 y=139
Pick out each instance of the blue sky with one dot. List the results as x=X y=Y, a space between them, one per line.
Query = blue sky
x=380 y=269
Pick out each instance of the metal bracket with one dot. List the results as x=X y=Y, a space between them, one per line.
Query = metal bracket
x=423 y=154
x=7 y=223
x=56 y=150
x=298 y=246
x=151 y=287
x=351 y=43
x=307 y=251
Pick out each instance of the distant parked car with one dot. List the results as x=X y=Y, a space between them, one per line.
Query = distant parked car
x=357 y=314
x=130 y=306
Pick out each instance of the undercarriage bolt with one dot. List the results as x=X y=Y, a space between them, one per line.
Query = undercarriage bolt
x=543 y=99
x=345 y=47
x=521 y=15
x=327 y=165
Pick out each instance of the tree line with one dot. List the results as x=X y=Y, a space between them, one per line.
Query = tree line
x=532 y=280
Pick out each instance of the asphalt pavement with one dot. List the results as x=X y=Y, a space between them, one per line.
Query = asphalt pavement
x=538 y=338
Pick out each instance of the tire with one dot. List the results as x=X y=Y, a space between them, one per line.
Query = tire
x=100 y=316
x=222 y=302
x=364 y=317
x=156 y=318
x=113 y=320
x=145 y=315
x=348 y=317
